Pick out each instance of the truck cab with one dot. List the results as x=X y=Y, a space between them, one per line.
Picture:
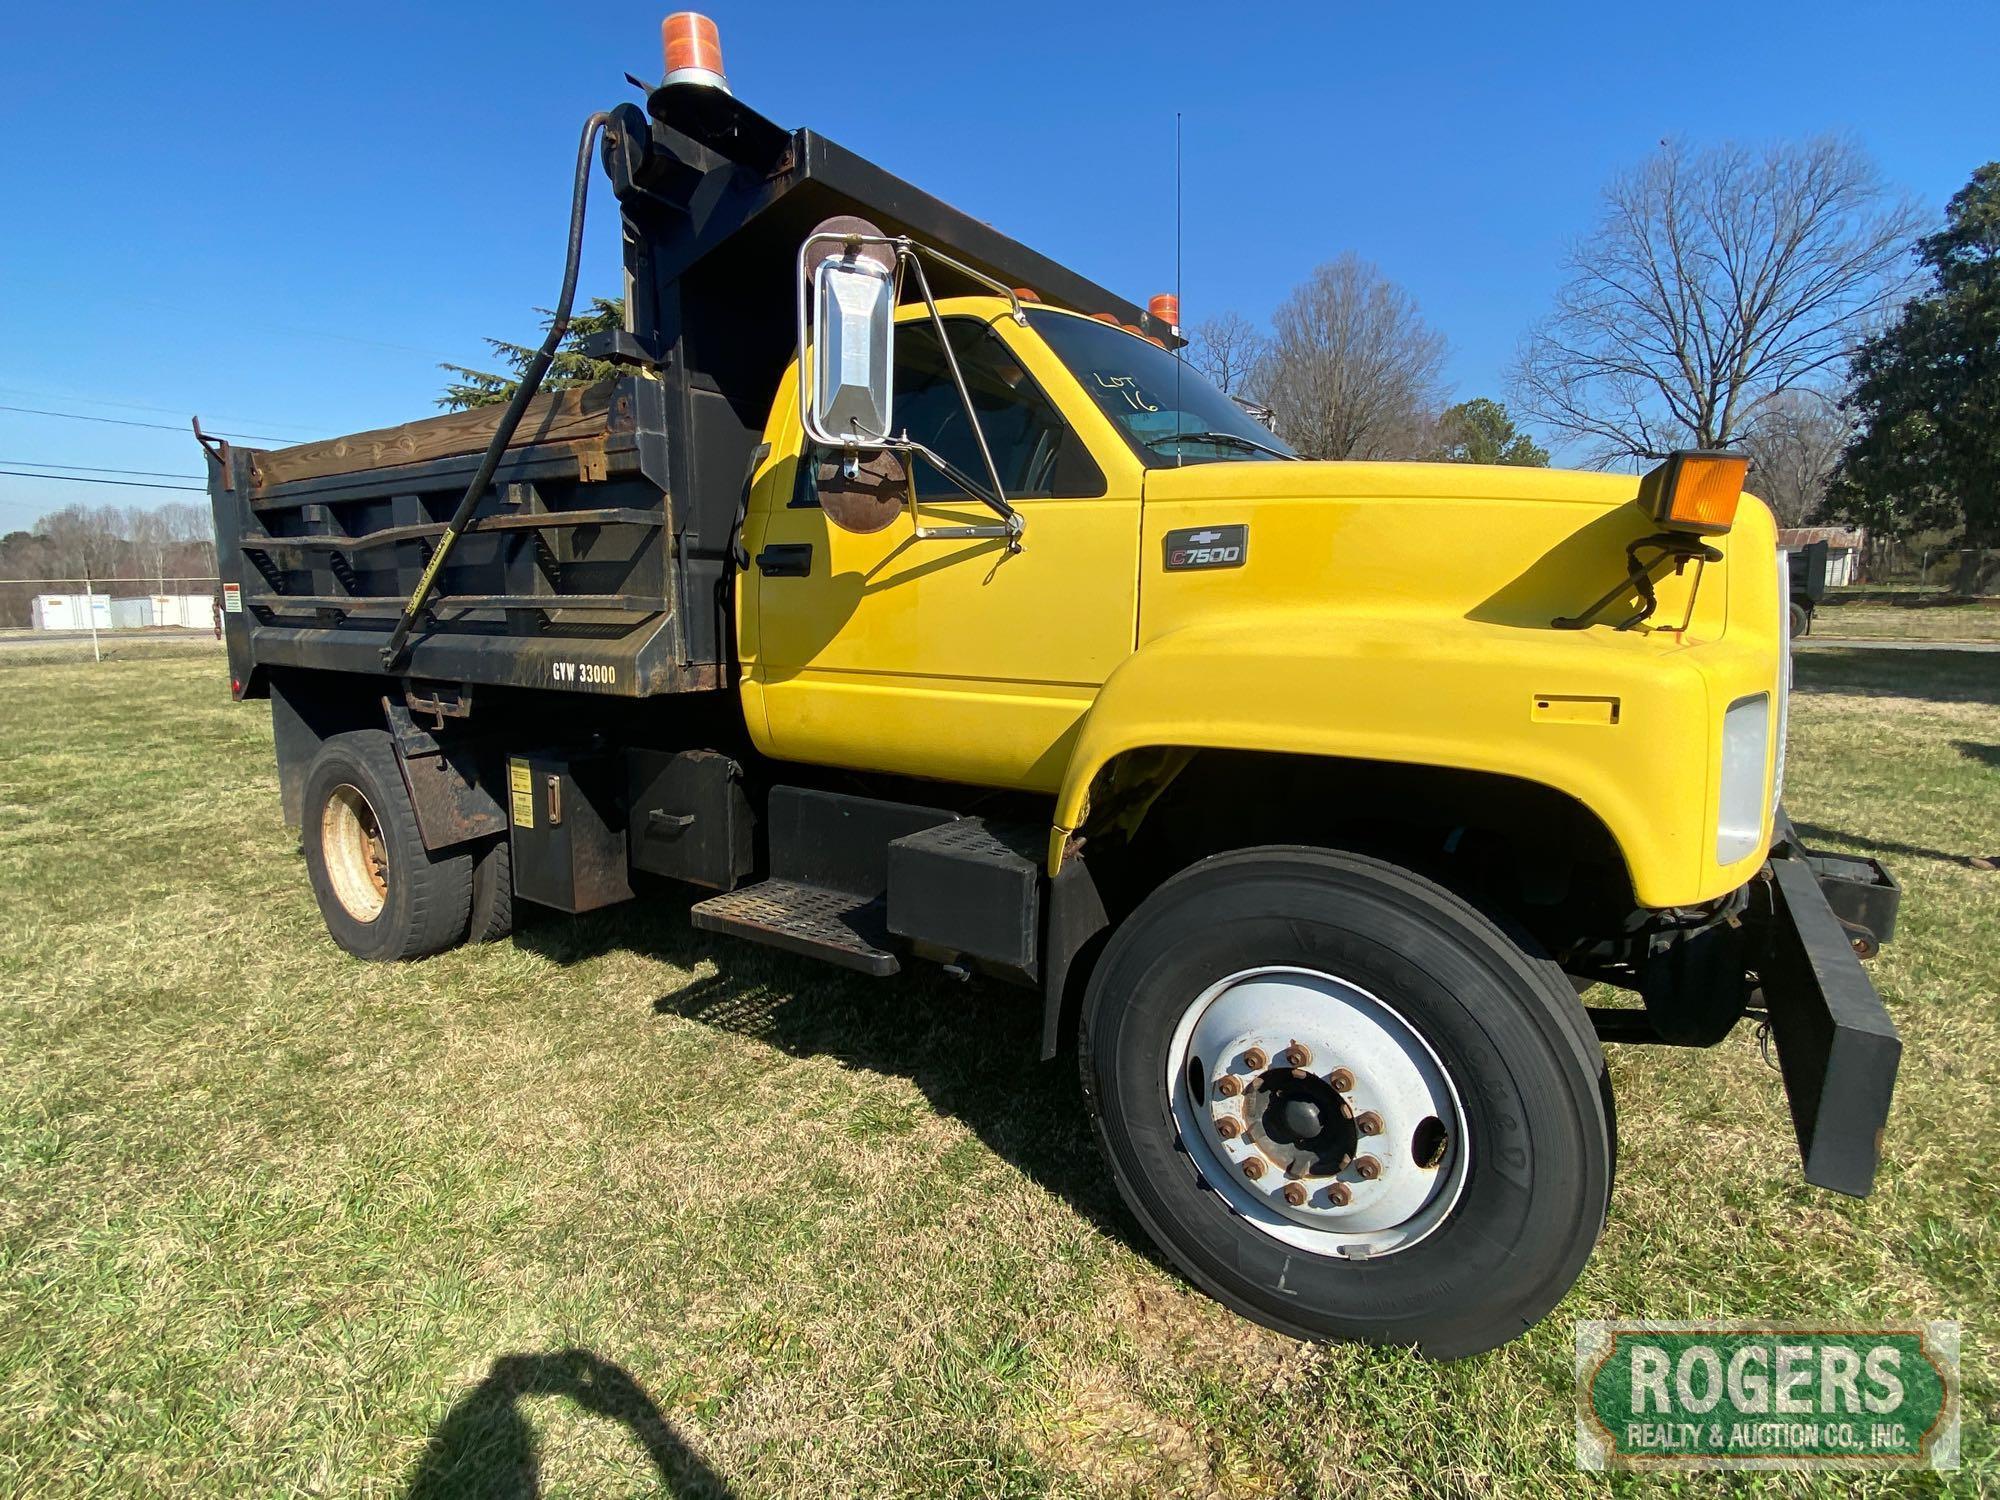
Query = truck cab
x=905 y=597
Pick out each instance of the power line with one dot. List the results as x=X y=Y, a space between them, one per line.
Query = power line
x=77 y=416
x=134 y=484
x=36 y=463
x=172 y=411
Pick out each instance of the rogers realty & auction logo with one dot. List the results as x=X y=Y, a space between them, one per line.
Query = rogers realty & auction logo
x=1765 y=1396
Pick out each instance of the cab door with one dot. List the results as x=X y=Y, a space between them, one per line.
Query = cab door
x=955 y=659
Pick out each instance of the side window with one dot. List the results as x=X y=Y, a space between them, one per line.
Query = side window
x=1035 y=451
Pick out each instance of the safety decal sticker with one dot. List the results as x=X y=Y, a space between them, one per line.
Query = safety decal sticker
x=521 y=786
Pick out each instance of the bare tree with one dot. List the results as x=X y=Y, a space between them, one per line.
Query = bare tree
x=1351 y=369
x=1226 y=348
x=83 y=539
x=1716 y=280
x=1794 y=443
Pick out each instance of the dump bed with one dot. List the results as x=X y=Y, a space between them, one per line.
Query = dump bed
x=562 y=579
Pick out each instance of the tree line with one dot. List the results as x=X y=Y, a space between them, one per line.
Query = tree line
x=1782 y=300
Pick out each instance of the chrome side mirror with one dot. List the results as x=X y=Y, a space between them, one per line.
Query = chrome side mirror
x=849 y=394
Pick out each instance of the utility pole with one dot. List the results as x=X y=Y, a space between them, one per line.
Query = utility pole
x=90 y=613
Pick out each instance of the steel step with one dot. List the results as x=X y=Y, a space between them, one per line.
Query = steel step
x=836 y=927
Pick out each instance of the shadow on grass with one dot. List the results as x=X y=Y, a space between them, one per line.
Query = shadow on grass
x=1986 y=755
x=486 y=1446
x=1939 y=675
x=973 y=1049
x=1816 y=832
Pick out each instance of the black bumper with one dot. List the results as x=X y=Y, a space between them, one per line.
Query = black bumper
x=1837 y=1047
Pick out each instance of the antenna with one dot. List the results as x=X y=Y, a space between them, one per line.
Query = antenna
x=1179 y=356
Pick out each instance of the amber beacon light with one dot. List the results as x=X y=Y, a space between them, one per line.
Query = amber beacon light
x=694 y=50
x=1695 y=491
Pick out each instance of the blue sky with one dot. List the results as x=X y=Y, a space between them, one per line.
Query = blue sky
x=283 y=217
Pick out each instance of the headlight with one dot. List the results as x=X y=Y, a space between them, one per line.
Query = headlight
x=1746 y=735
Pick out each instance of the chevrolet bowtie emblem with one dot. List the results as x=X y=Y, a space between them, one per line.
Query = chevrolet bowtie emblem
x=1204 y=538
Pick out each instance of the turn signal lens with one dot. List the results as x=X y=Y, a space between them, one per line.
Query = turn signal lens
x=1695 y=491
x=694 y=50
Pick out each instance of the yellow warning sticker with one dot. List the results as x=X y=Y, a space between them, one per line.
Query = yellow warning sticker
x=522 y=784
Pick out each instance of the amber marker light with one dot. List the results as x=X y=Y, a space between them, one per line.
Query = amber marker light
x=694 y=50
x=1695 y=491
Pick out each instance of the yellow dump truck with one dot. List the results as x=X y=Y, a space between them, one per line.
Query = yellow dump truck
x=908 y=597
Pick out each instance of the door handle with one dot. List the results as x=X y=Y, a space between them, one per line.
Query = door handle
x=786 y=560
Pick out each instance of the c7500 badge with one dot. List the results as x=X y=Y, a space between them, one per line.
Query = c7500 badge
x=1207 y=547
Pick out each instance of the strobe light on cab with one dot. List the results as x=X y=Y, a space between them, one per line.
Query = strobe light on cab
x=694 y=50
x=1693 y=494
x=1695 y=491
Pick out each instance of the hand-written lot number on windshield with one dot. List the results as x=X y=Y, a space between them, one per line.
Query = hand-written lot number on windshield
x=584 y=673
x=1126 y=386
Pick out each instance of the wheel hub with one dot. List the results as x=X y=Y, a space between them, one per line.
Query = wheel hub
x=1317 y=1112
x=1299 y=1122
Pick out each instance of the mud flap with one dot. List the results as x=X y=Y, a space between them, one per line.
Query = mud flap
x=1837 y=1048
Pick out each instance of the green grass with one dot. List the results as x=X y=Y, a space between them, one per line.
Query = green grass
x=1867 y=620
x=648 y=1212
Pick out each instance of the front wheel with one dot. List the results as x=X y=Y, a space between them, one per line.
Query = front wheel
x=1346 y=1104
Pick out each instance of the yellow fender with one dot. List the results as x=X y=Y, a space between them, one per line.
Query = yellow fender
x=1598 y=715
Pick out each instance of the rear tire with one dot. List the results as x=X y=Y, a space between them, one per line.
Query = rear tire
x=492 y=892
x=1433 y=1013
x=383 y=895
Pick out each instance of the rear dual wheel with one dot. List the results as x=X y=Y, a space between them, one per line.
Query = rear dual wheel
x=1346 y=1104
x=382 y=893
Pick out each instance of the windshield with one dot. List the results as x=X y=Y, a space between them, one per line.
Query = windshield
x=1159 y=402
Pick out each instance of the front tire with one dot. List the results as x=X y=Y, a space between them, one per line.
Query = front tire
x=1432 y=1168
x=384 y=896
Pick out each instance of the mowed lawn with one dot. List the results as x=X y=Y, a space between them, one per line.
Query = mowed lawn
x=621 y=1209
x=1873 y=620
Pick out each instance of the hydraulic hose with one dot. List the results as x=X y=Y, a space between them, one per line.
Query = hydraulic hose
x=510 y=419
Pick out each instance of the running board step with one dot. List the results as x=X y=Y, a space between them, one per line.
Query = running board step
x=836 y=927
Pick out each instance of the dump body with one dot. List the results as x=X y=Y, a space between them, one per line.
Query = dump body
x=571 y=574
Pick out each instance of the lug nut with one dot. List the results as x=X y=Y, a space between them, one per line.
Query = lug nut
x=1256 y=1059
x=1299 y=1055
x=1295 y=1195
x=1228 y=1086
x=1339 y=1194
x=1254 y=1168
x=1342 y=1081
x=1367 y=1168
x=1228 y=1128
x=1368 y=1123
